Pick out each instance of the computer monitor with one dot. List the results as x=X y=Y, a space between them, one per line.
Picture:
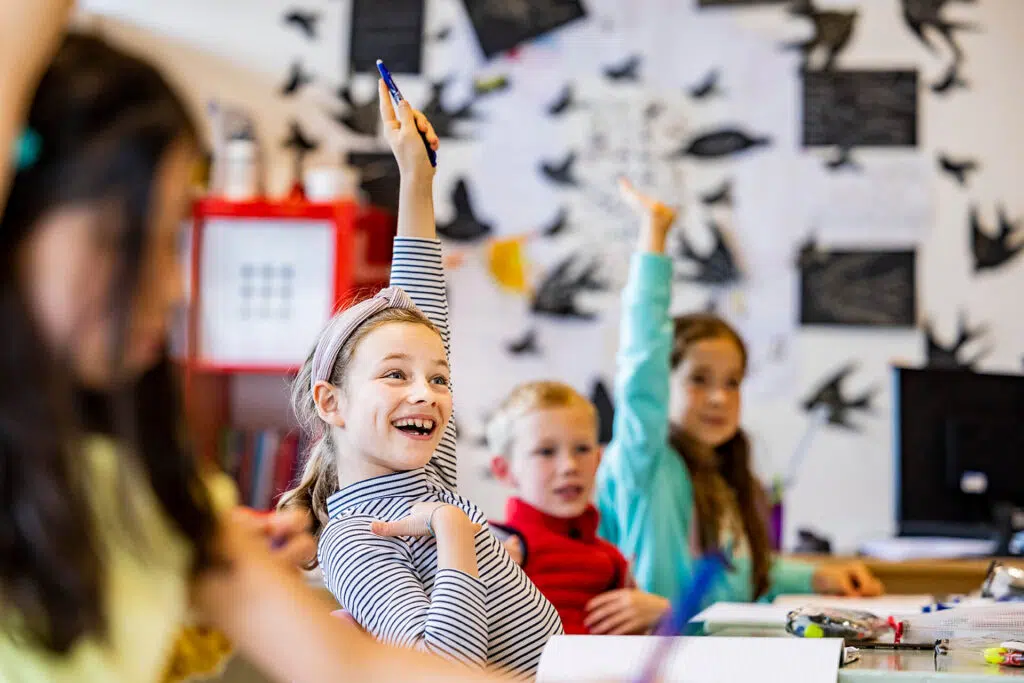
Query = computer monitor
x=959 y=450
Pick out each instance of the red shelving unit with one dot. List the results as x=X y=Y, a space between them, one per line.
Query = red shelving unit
x=360 y=238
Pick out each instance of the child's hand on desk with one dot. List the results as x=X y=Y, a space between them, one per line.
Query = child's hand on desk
x=624 y=611
x=402 y=131
x=849 y=580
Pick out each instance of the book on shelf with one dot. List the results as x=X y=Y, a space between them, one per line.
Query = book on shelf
x=263 y=463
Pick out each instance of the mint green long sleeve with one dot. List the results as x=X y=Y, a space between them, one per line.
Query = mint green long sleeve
x=644 y=491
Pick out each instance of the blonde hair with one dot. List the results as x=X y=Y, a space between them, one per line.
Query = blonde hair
x=525 y=399
x=319 y=479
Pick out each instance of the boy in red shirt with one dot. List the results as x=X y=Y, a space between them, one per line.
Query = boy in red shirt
x=544 y=438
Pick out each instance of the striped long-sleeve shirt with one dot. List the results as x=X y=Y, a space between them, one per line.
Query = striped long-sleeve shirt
x=392 y=586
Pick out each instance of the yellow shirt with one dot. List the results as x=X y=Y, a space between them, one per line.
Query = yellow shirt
x=146 y=591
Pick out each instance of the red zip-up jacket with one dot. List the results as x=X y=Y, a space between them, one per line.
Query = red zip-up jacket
x=566 y=559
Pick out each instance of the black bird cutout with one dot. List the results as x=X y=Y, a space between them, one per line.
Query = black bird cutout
x=362 y=118
x=653 y=110
x=440 y=117
x=832 y=32
x=560 y=173
x=527 y=344
x=950 y=81
x=296 y=79
x=810 y=253
x=957 y=169
x=920 y=15
x=707 y=87
x=628 y=70
x=720 y=195
x=830 y=394
x=301 y=145
x=717 y=267
x=558 y=291
x=297 y=140
x=992 y=251
x=563 y=103
x=464 y=225
x=721 y=143
x=303 y=21
x=605 y=406
x=558 y=225
x=843 y=161
x=948 y=357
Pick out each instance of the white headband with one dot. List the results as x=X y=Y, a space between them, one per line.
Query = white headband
x=341 y=327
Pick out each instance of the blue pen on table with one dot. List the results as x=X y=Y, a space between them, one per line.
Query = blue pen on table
x=396 y=95
x=709 y=568
x=941 y=606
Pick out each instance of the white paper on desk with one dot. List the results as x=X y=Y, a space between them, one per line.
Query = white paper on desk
x=727 y=615
x=927 y=548
x=884 y=606
x=693 y=660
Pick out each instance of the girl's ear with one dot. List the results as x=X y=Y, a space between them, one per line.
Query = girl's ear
x=330 y=403
x=600 y=454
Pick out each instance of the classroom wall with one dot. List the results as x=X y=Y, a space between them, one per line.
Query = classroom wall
x=240 y=51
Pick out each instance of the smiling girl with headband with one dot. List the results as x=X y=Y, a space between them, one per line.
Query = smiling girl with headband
x=412 y=561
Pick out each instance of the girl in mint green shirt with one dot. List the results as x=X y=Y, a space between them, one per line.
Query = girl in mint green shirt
x=676 y=480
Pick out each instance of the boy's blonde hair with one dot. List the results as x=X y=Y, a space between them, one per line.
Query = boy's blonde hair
x=525 y=399
x=319 y=478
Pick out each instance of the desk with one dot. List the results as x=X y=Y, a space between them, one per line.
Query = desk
x=933 y=577
x=876 y=666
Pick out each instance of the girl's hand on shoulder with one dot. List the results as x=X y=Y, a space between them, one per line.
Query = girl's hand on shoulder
x=625 y=611
x=402 y=131
x=442 y=518
x=852 y=579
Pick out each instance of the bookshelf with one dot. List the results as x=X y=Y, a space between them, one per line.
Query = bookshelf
x=263 y=277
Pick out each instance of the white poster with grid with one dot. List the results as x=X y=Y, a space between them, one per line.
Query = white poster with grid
x=266 y=289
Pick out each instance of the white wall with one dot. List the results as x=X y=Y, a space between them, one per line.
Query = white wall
x=239 y=50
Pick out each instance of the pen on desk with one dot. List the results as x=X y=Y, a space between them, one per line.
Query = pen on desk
x=940 y=606
x=396 y=95
x=919 y=647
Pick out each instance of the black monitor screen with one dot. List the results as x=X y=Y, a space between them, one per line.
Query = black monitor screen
x=959 y=447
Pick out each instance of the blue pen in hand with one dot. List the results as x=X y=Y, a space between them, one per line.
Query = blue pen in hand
x=396 y=95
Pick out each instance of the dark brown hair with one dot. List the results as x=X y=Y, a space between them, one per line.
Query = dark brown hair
x=732 y=462
x=106 y=121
